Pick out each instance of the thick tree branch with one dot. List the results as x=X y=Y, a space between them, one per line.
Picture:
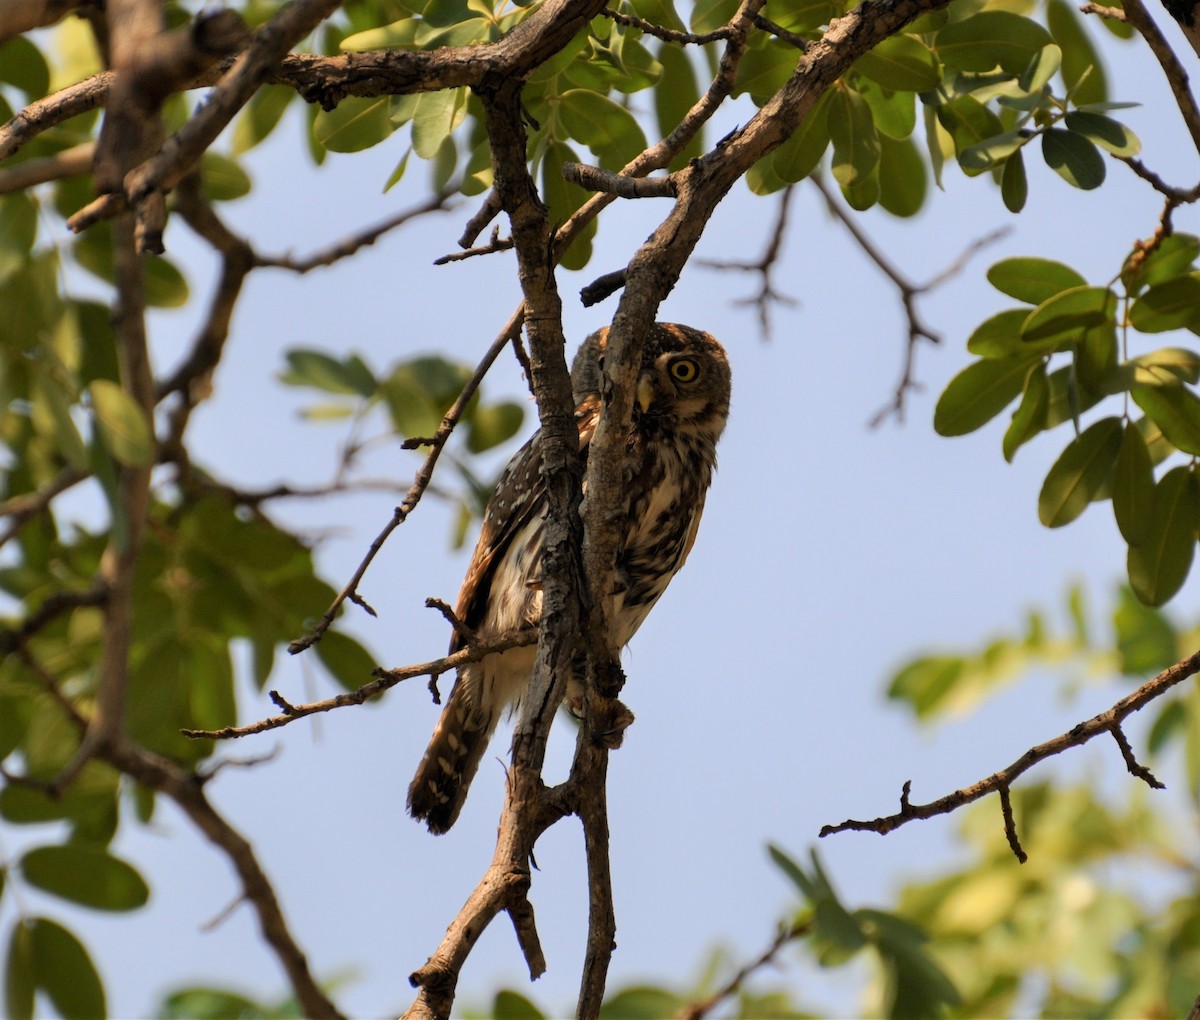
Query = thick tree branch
x=1001 y=782
x=1177 y=78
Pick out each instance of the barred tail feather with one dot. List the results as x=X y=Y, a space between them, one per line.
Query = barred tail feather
x=439 y=788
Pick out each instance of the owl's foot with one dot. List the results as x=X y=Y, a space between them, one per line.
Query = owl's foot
x=615 y=718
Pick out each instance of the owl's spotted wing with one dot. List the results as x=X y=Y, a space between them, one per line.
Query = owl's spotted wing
x=519 y=499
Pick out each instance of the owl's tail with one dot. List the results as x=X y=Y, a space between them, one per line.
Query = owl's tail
x=439 y=789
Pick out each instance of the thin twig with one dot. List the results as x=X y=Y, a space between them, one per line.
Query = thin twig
x=384 y=680
x=764 y=267
x=1000 y=782
x=420 y=483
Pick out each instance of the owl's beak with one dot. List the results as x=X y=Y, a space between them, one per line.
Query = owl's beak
x=645 y=392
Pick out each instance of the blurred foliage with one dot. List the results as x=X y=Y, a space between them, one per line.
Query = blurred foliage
x=983 y=87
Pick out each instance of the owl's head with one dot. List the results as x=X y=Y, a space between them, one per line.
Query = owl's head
x=684 y=382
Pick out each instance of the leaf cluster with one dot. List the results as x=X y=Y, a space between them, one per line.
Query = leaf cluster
x=1067 y=349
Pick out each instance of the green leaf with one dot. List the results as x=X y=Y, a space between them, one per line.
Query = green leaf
x=19 y=983
x=640 y=1002
x=969 y=123
x=357 y=123
x=1080 y=471
x=1133 y=486
x=1159 y=565
x=793 y=871
x=604 y=126
x=978 y=393
x=122 y=423
x=1070 y=311
x=348 y=662
x=436 y=115
x=165 y=285
x=1105 y=132
x=493 y=424
x=903 y=182
x=797 y=157
x=855 y=141
x=1030 y=416
x=991 y=39
x=1173 y=257
x=22 y=65
x=1014 y=184
x=260 y=116
x=210 y=1004
x=926 y=683
x=1074 y=158
x=1041 y=69
x=902 y=63
x=1175 y=410
x=1033 y=280
x=87 y=875
x=1178 y=362
x=324 y=372
x=992 y=151
x=1146 y=641
x=562 y=198
x=1172 y=304
x=672 y=102
x=509 y=1005
x=65 y=972
x=1082 y=68
x=222 y=179
x=894 y=113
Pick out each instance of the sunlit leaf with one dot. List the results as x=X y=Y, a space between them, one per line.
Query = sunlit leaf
x=991 y=39
x=1146 y=640
x=356 y=123
x=901 y=62
x=855 y=142
x=1105 y=132
x=1070 y=311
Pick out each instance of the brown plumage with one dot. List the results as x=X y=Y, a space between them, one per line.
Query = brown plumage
x=680 y=412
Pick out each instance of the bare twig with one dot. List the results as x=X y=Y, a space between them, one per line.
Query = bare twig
x=384 y=679
x=1001 y=782
x=595 y=179
x=23 y=507
x=1177 y=78
x=182 y=787
x=420 y=483
x=764 y=267
x=666 y=34
x=909 y=292
x=495 y=243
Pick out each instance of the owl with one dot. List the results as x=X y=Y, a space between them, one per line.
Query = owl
x=682 y=403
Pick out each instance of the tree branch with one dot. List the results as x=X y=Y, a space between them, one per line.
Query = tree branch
x=384 y=679
x=1000 y=782
x=186 y=790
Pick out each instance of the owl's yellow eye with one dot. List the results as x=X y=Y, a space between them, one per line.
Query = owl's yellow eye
x=685 y=369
